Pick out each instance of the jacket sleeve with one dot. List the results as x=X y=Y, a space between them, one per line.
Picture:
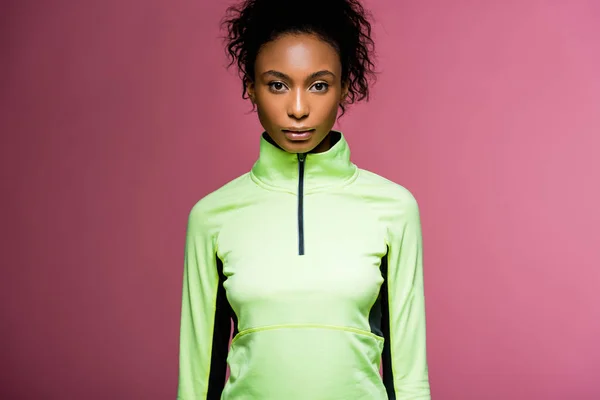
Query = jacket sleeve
x=405 y=369
x=205 y=316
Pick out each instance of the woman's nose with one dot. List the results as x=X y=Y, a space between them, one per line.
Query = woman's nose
x=298 y=107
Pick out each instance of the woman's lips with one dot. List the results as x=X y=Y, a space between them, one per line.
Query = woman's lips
x=298 y=135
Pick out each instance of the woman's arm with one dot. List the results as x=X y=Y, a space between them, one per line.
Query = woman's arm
x=405 y=370
x=205 y=315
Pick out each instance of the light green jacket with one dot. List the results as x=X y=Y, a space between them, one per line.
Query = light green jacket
x=316 y=268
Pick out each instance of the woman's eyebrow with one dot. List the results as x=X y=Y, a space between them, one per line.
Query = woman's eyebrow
x=314 y=75
x=321 y=73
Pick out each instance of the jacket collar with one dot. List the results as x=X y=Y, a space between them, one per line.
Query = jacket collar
x=279 y=170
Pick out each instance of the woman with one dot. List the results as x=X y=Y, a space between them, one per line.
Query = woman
x=318 y=263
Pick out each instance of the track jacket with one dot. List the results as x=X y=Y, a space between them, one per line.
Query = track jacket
x=319 y=265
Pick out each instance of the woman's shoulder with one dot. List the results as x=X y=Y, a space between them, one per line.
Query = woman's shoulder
x=394 y=202
x=222 y=200
x=378 y=185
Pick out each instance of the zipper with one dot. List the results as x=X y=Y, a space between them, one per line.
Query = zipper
x=301 y=162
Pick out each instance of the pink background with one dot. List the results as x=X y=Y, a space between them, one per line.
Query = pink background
x=117 y=116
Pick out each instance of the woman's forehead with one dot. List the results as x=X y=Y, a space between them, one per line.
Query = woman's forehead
x=298 y=54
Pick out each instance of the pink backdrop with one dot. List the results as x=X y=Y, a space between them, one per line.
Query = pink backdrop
x=117 y=116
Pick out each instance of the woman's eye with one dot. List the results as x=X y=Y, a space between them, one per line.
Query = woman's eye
x=276 y=86
x=321 y=86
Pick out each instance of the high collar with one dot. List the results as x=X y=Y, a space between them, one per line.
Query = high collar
x=279 y=170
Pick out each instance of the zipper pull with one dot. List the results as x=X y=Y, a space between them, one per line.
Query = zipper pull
x=301 y=157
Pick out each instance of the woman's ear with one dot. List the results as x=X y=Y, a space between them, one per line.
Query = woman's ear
x=344 y=94
x=250 y=90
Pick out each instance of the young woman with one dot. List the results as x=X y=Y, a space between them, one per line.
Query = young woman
x=318 y=263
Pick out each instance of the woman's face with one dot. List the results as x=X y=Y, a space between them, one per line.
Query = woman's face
x=297 y=90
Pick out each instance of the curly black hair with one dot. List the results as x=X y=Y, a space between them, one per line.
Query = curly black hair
x=344 y=24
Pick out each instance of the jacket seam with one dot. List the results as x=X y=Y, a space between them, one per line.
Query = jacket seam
x=302 y=326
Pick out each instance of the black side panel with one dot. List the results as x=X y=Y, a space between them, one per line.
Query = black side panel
x=388 y=378
x=220 y=344
x=375 y=317
x=235 y=324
